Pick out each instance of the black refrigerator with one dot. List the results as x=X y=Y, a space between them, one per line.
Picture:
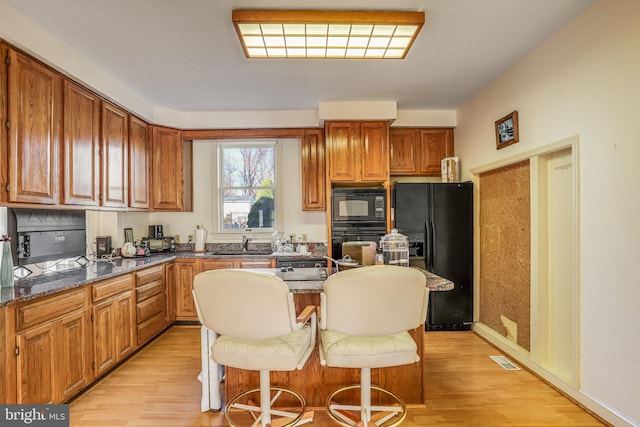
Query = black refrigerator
x=438 y=220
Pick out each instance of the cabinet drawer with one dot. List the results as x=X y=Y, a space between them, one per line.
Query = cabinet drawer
x=148 y=275
x=150 y=328
x=41 y=311
x=150 y=307
x=111 y=287
x=149 y=290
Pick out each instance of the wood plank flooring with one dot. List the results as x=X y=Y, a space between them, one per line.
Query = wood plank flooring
x=158 y=386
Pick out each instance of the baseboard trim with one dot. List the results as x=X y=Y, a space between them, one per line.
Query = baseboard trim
x=595 y=407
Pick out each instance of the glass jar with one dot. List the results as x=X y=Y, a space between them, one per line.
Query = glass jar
x=395 y=248
x=6 y=264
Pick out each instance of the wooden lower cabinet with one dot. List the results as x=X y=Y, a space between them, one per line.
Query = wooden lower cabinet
x=219 y=263
x=151 y=303
x=113 y=324
x=53 y=350
x=186 y=269
x=170 y=286
x=4 y=345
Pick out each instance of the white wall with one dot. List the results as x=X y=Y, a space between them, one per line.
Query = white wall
x=204 y=169
x=584 y=81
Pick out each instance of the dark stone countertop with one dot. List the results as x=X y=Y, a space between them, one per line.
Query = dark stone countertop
x=52 y=282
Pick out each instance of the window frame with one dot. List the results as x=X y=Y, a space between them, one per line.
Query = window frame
x=218 y=201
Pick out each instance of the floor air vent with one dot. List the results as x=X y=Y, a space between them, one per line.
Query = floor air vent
x=505 y=363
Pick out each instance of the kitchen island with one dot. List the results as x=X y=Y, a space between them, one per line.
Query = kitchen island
x=316 y=382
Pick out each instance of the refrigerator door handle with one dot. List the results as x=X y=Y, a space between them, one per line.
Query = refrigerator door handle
x=428 y=245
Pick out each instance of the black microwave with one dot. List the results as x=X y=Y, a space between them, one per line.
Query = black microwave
x=359 y=207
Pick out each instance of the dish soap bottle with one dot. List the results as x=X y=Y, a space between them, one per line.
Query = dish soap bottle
x=6 y=266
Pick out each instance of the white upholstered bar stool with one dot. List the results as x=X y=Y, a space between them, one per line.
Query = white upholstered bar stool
x=365 y=316
x=254 y=314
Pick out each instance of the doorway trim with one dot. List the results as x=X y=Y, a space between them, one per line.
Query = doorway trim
x=535 y=359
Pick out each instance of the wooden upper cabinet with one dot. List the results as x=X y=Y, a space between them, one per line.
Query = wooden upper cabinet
x=114 y=156
x=4 y=149
x=80 y=146
x=403 y=151
x=418 y=151
x=357 y=151
x=313 y=171
x=374 y=155
x=139 y=168
x=167 y=166
x=341 y=153
x=435 y=145
x=35 y=125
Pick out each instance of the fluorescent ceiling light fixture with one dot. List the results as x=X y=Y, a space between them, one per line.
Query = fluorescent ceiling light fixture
x=337 y=34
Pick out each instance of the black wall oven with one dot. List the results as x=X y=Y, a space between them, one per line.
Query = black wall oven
x=357 y=214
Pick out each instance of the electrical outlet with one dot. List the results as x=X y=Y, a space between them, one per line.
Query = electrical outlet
x=304 y=237
x=292 y=237
x=190 y=238
x=177 y=238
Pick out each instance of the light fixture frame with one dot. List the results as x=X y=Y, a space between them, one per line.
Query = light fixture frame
x=327 y=17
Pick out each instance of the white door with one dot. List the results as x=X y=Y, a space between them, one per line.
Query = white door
x=557 y=337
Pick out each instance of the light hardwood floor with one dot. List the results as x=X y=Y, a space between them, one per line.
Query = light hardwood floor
x=158 y=386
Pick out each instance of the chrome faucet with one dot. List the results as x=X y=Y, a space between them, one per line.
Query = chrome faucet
x=245 y=242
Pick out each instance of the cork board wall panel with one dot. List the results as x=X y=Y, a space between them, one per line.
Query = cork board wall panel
x=505 y=251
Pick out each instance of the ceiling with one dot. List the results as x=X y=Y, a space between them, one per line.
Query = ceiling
x=185 y=56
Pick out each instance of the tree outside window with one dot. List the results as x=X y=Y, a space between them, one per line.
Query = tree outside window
x=247 y=190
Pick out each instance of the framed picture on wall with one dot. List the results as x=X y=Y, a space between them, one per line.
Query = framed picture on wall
x=507 y=130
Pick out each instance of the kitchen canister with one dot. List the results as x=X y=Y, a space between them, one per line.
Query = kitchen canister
x=6 y=264
x=201 y=235
x=395 y=248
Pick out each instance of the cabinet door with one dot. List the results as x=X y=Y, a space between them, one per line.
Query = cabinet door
x=104 y=340
x=403 y=151
x=73 y=361
x=167 y=169
x=374 y=166
x=185 y=307
x=36 y=370
x=254 y=263
x=341 y=150
x=124 y=325
x=113 y=331
x=80 y=146
x=217 y=264
x=35 y=123
x=8 y=377
x=170 y=286
x=113 y=150
x=139 y=169
x=313 y=171
x=435 y=145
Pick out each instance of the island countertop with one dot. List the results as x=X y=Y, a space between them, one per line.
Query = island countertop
x=37 y=286
x=314 y=279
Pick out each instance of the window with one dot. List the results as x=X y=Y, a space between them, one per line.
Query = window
x=247 y=186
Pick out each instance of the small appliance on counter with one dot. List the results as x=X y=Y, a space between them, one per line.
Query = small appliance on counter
x=129 y=250
x=362 y=252
x=156 y=232
x=103 y=246
x=164 y=244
